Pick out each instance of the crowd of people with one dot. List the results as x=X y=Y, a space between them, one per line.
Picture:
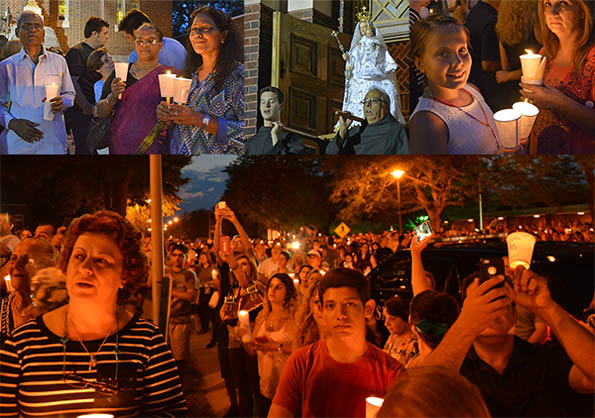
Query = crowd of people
x=107 y=114
x=296 y=328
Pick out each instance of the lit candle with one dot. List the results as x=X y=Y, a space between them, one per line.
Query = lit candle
x=214 y=274
x=166 y=85
x=244 y=322
x=373 y=405
x=507 y=121
x=95 y=416
x=121 y=71
x=296 y=282
x=8 y=282
x=181 y=89
x=51 y=91
x=533 y=66
x=529 y=113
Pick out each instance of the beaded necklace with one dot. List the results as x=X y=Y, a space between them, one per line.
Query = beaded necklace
x=486 y=123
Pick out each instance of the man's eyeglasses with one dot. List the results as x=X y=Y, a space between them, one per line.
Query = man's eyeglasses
x=143 y=42
x=201 y=31
x=372 y=101
x=29 y=26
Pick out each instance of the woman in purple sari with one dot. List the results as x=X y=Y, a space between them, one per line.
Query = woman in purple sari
x=135 y=128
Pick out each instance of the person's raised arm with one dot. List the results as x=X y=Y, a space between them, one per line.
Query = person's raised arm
x=248 y=248
x=531 y=291
x=483 y=304
x=418 y=274
x=217 y=235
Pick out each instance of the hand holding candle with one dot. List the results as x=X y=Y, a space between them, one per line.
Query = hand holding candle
x=121 y=69
x=529 y=113
x=166 y=85
x=373 y=405
x=181 y=89
x=533 y=67
x=507 y=121
x=244 y=323
x=51 y=91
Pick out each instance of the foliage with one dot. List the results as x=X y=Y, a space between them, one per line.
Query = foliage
x=58 y=188
x=280 y=193
x=525 y=181
x=365 y=189
x=139 y=214
x=182 y=10
x=197 y=224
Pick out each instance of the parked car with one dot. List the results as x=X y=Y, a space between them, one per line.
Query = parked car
x=568 y=266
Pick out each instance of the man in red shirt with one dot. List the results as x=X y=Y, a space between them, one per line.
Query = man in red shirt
x=333 y=377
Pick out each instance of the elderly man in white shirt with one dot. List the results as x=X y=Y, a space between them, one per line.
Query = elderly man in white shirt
x=22 y=82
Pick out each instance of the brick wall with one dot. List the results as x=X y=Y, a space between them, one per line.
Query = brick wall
x=81 y=10
x=400 y=52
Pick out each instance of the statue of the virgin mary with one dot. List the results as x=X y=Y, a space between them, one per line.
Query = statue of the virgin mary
x=369 y=64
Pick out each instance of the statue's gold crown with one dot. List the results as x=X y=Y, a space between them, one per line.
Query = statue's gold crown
x=364 y=15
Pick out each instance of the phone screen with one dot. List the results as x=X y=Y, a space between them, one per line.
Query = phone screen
x=422 y=231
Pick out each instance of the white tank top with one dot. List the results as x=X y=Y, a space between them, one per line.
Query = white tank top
x=466 y=135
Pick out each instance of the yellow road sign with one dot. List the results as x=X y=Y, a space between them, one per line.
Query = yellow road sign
x=342 y=229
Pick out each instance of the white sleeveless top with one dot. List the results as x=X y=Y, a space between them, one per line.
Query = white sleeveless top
x=466 y=135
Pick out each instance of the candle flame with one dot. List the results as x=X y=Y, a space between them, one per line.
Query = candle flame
x=528 y=51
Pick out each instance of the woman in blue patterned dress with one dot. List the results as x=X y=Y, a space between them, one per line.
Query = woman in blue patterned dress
x=212 y=121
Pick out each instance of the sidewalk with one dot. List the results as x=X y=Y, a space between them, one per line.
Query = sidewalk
x=206 y=362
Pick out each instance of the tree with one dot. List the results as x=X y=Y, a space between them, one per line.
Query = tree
x=525 y=181
x=363 y=188
x=182 y=12
x=61 y=187
x=278 y=192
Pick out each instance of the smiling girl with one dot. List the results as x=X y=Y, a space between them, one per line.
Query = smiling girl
x=452 y=116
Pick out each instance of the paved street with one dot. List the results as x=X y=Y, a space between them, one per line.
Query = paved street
x=205 y=361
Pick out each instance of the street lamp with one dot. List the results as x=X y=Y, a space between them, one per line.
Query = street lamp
x=398 y=174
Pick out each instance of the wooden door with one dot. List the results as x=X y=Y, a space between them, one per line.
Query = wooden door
x=308 y=68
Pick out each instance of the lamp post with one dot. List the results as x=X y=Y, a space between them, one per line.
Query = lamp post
x=398 y=174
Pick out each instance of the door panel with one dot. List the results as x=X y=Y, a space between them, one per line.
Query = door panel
x=308 y=68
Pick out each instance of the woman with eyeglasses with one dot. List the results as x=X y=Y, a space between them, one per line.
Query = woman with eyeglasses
x=135 y=128
x=91 y=355
x=212 y=121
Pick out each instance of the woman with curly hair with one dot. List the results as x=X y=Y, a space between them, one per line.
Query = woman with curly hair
x=310 y=326
x=517 y=29
x=213 y=120
x=91 y=354
x=566 y=122
x=273 y=334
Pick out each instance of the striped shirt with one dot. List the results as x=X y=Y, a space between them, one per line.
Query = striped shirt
x=6 y=315
x=40 y=376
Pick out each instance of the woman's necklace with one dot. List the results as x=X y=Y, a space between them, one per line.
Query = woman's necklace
x=92 y=356
x=23 y=312
x=139 y=73
x=273 y=323
x=486 y=123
